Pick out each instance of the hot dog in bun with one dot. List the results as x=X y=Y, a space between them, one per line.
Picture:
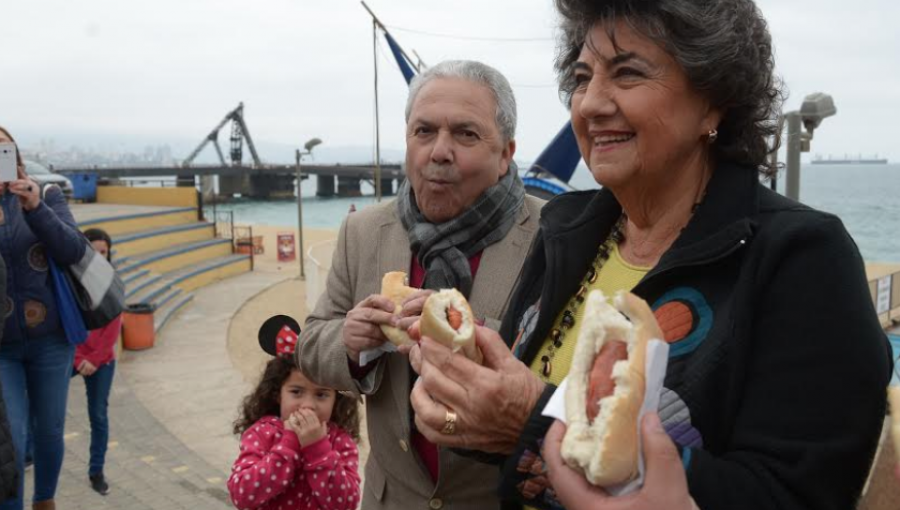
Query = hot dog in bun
x=447 y=318
x=394 y=287
x=606 y=386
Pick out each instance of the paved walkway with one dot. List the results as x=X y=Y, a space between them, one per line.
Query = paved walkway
x=170 y=413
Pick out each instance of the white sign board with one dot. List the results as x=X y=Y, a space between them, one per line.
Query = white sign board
x=883 y=299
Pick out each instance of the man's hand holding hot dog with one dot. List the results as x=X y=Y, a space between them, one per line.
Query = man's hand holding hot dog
x=362 y=327
x=411 y=312
x=491 y=401
x=408 y=303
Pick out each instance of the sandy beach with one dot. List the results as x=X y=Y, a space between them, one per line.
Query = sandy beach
x=287 y=297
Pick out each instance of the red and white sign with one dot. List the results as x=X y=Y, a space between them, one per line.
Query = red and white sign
x=286 y=247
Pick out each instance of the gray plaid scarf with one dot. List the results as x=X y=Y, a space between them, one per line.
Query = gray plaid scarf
x=443 y=250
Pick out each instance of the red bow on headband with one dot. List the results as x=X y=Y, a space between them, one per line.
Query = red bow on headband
x=286 y=341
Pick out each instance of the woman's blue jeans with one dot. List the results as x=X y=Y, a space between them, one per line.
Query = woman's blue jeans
x=97 y=387
x=35 y=376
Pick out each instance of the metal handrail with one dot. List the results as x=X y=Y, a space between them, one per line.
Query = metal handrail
x=248 y=238
x=223 y=223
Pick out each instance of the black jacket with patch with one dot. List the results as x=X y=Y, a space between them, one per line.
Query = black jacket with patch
x=775 y=391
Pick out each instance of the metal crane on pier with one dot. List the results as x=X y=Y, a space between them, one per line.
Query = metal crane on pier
x=239 y=133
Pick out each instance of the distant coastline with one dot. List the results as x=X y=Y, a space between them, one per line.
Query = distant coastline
x=859 y=160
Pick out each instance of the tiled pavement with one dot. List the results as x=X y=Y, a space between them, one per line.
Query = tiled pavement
x=147 y=467
x=150 y=465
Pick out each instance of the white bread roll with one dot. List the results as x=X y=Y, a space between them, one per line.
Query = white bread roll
x=605 y=449
x=394 y=287
x=435 y=323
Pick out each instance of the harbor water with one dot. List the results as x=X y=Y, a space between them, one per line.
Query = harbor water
x=865 y=197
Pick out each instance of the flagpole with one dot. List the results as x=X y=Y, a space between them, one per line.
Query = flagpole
x=377 y=123
x=381 y=26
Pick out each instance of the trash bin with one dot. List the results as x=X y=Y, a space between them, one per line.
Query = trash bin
x=138 y=331
x=84 y=186
x=244 y=245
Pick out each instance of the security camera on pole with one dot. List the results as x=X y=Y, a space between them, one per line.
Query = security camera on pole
x=814 y=109
x=309 y=147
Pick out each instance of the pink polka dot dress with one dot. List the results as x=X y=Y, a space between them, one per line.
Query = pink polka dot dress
x=273 y=472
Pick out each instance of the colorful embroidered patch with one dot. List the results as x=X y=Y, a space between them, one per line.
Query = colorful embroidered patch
x=685 y=319
x=37 y=258
x=35 y=313
x=675 y=319
x=676 y=419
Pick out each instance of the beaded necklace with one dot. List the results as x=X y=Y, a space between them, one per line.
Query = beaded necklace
x=557 y=335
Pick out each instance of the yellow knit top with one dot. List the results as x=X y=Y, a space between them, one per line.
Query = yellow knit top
x=614 y=275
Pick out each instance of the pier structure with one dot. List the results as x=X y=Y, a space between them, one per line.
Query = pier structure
x=255 y=179
x=262 y=182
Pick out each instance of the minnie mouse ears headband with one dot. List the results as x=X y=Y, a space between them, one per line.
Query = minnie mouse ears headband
x=278 y=336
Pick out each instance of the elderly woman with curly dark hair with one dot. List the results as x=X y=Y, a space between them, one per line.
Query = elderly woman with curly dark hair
x=774 y=394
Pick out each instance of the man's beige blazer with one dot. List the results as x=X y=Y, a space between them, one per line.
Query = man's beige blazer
x=372 y=242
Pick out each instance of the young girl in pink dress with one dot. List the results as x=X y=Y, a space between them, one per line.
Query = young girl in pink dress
x=298 y=439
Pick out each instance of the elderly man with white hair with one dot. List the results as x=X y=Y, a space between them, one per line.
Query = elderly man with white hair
x=461 y=220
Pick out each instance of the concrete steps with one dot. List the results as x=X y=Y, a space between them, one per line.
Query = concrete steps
x=135 y=243
x=162 y=253
x=175 y=257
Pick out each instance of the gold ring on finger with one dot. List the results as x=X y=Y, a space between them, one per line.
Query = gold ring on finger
x=449 y=423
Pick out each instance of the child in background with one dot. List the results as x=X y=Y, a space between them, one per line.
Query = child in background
x=95 y=360
x=298 y=439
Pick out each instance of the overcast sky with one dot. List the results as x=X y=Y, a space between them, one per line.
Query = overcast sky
x=167 y=71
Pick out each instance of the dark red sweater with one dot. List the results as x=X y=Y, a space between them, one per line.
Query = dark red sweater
x=100 y=346
x=428 y=451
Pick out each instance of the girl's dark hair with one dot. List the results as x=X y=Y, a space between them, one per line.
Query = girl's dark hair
x=724 y=48
x=263 y=401
x=96 y=234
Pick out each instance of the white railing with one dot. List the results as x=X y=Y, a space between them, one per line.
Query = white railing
x=885 y=293
x=318 y=258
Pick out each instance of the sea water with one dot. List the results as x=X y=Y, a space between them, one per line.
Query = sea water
x=865 y=197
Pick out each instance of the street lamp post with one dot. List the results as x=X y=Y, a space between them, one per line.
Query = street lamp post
x=794 y=148
x=299 y=155
x=815 y=108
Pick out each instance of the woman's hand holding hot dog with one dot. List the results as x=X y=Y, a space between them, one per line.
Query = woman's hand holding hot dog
x=665 y=483
x=492 y=401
